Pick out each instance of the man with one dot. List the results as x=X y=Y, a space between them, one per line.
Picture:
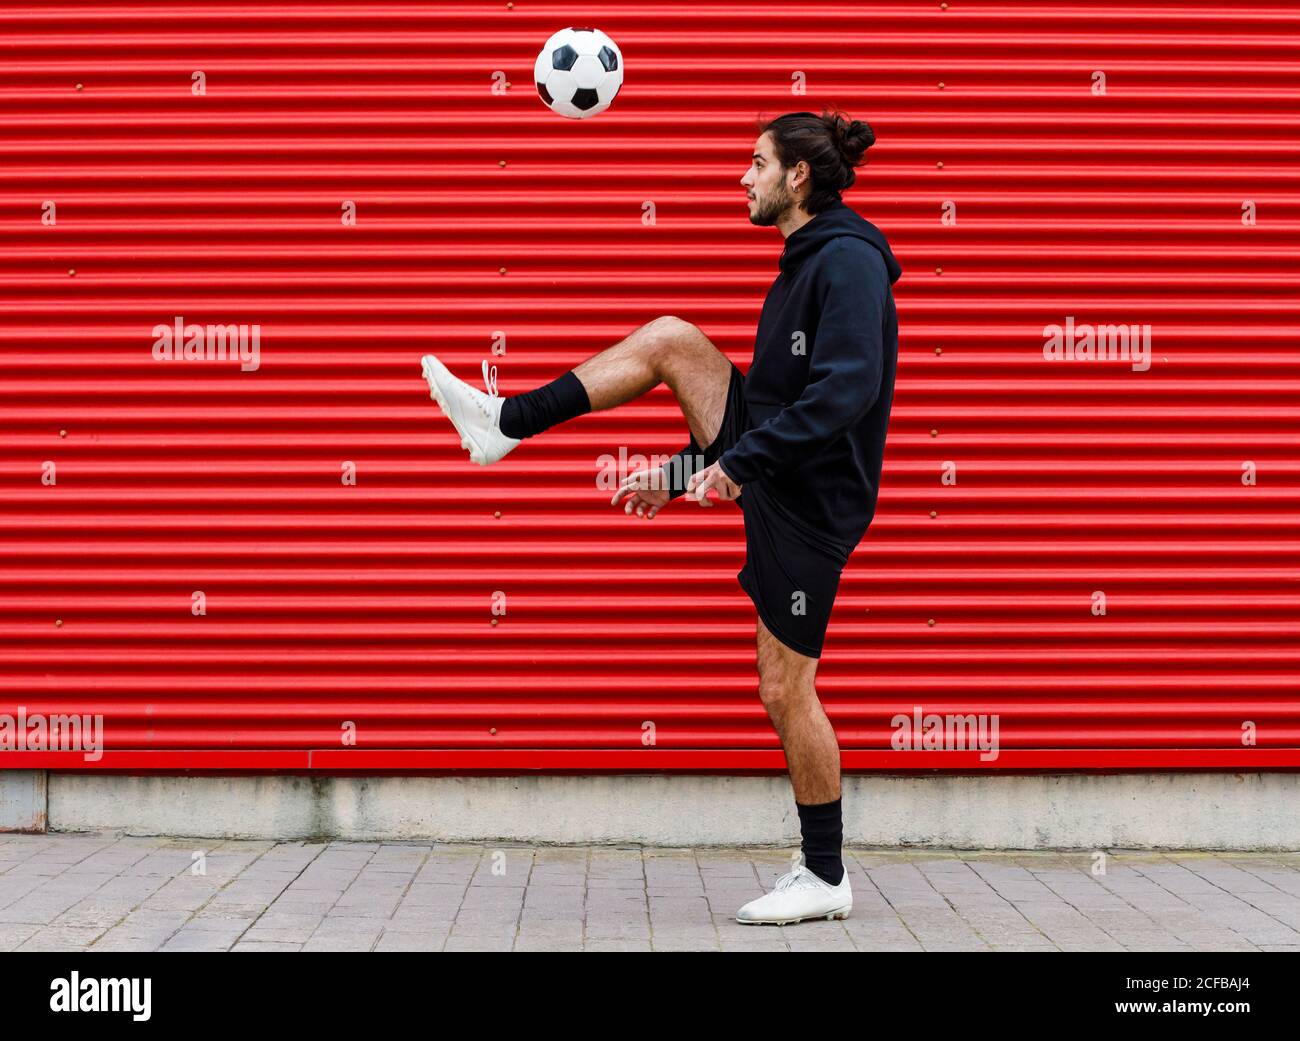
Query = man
x=801 y=436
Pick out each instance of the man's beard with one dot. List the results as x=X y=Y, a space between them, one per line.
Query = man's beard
x=773 y=208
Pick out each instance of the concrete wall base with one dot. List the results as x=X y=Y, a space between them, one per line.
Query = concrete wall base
x=22 y=800
x=1245 y=811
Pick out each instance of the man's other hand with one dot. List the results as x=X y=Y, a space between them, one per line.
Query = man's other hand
x=646 y=491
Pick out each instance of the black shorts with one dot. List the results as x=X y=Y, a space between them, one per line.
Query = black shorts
x=791 y=572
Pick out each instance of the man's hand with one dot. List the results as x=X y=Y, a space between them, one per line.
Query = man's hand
x=712 y=477
x=646 y=491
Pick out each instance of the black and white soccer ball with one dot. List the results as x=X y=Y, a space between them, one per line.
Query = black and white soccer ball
x=578 y=72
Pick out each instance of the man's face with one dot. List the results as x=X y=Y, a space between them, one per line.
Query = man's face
x=766 y=184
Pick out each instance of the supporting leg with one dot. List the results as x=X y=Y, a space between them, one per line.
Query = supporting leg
x=785 y=685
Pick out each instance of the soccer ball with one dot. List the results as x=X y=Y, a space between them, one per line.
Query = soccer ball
x=578 y=72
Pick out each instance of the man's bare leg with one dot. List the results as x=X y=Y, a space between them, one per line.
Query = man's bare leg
x=666 y=350
x=785 y=686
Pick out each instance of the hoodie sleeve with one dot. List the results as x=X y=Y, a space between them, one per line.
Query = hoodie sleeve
x=844 y=367
x=679 y=468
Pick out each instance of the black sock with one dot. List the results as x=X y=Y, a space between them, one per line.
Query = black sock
x=524 y=415
x=822 y=827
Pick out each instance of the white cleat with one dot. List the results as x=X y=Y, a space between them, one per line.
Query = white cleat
x=475 y=415
x=799 y=894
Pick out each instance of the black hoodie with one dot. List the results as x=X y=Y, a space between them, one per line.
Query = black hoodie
x=822 y=381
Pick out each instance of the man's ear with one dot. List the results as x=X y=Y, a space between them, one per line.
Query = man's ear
x=803 y=171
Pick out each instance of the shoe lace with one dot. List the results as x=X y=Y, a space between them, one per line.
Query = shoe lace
x=485 y=401
x=799 y=878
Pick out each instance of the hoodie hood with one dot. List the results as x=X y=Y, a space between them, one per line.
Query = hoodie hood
x=836 y=220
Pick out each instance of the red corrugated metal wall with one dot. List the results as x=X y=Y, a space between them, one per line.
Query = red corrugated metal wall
x=1103 y=162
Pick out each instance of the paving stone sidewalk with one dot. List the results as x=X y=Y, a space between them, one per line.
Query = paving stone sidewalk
x=108 y=892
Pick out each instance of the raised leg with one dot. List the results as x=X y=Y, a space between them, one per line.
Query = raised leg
x=667 y=350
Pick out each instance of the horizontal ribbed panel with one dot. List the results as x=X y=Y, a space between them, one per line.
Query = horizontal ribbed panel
x=479 y=213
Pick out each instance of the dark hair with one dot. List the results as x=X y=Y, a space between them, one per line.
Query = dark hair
x=831 y=144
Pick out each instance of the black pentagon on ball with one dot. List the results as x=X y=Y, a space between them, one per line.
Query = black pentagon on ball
x=545 y=94
x=585 y=98
x=608 y=59
x=563 y=57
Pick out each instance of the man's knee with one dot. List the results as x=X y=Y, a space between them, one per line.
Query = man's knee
x=783 y=684
x=670 y=327
x=774 y=694
x=670 y=337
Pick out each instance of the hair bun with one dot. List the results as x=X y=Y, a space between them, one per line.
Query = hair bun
x=851 y=136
